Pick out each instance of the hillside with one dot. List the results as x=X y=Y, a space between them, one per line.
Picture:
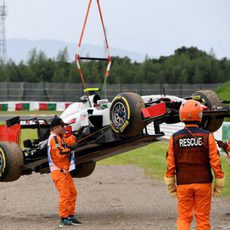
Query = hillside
x=18 y=49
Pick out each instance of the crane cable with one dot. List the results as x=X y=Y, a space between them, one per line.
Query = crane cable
x=78 y=57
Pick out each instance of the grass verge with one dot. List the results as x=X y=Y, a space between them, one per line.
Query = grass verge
x=151 y=158
x=223 y=91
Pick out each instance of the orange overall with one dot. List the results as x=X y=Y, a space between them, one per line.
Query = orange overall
x=59 y=160
x=192 y=153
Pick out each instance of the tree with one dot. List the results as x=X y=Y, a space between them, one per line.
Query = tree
x=186 y=65
x=59 y=75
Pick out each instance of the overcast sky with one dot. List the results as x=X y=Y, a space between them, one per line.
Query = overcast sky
x=153 y=27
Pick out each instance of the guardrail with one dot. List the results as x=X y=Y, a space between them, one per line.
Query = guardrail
x=222 y=134
x=10 y=106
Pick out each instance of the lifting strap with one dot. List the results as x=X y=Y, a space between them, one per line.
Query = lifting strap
x=78 y=57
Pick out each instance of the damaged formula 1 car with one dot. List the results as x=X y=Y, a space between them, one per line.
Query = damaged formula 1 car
x=103 y=129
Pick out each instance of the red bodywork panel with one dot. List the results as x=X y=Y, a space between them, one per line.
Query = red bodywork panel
x=155 y=110
x=11 y=134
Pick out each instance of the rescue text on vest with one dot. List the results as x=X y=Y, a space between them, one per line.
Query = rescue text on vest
x=190 y=142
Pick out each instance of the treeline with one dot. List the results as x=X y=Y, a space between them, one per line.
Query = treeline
x=186 y=65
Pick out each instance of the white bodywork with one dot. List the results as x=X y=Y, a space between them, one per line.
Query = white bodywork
x=77 y=113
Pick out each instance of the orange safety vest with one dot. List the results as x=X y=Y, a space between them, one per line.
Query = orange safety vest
x=191 y=153
x=69 y=158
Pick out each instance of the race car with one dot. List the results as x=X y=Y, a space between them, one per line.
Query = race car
x=102 y=128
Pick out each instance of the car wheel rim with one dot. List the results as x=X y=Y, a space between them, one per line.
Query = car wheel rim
x=119 y=114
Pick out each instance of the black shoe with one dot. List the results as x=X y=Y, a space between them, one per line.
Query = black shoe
x=74 y=220
x=65 y=222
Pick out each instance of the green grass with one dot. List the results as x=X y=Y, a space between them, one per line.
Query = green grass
x=226 y=169
x=151 y=158
x=28 y=134
x=224 y=91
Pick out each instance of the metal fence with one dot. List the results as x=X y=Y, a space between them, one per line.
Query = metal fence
x=43 y=91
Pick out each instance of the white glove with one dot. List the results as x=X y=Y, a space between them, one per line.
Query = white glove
x=172 y=189
x=218 y=187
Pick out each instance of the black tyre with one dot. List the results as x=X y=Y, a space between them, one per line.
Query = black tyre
x=83 y=170
x=11 y=161
x=125 y=114
x=212 y=101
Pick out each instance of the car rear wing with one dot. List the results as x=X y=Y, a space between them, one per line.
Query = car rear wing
x=12 y=134
x=34 y=124
x=28 y=123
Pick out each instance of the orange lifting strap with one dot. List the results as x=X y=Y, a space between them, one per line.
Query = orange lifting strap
x=78 y=57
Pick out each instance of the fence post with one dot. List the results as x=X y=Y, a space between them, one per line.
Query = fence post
x=63 y=91
x=181 y=90
x=7 y=91
x=22 y=91
x=141 y=88
x=160 y=88
x=46 y=96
